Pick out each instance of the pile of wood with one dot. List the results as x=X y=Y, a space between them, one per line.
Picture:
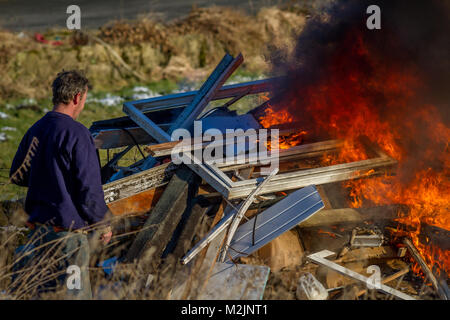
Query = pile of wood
x=228 y=224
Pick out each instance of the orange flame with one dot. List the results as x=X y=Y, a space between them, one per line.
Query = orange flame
x=272 y=118
x=384 y=106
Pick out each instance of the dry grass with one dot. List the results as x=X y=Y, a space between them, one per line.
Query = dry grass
x=128 y=280
x=174 y=50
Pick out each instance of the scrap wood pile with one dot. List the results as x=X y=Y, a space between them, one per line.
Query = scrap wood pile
x=234 y=229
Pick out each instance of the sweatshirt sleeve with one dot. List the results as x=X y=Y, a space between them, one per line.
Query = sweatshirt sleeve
x=20 y=169
x=89 y=196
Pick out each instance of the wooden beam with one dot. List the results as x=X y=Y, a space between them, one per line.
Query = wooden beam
x=303 y=178
x=189 y=226
x=116 y=138
x=164 y=217
x=349 y=215
x=139 y=203
x=139 y=182
x=198 y=270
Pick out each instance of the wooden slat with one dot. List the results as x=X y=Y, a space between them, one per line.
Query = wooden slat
x=218 y=229
x=145 y=180
x=330 y=217
x=138 y=203
x=303 y=178
x=279 y=218
x=189 y=226
x=297 y=152
x=198 y=271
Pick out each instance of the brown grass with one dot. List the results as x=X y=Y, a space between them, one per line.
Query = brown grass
x=155 y=49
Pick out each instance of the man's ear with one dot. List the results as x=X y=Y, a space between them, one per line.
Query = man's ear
x=77 y=98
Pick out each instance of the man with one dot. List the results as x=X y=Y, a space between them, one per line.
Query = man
x=62 y=173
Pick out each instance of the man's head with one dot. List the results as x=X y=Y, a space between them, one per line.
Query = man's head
x=69 y=92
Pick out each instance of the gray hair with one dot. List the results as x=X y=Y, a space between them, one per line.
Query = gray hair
x=67 y=85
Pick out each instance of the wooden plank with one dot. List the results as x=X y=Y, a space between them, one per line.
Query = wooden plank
x=145 y=180
x=236 y=282
x=189 y=226
x=319 y=258
x=349 y=215
x=297 y=152
x=199 y=270
x=303 y=178
x=139 y=203
x=164 y=217
x=271 y=223
x=363 y=165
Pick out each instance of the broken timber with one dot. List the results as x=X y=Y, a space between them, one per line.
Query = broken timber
x=165 y=216
x=139 y=182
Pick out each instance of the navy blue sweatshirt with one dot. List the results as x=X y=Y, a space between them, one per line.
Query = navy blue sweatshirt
x=63 y=178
